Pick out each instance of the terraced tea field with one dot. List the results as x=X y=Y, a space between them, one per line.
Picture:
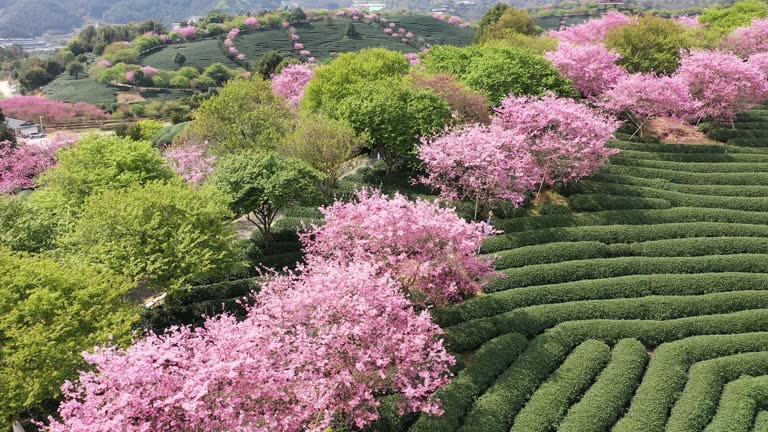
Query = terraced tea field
x=644 y=310
x=199 y=54
x=67 y=89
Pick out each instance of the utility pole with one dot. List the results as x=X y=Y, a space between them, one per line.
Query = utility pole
x=42 y=130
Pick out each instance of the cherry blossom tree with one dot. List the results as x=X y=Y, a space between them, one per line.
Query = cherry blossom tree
x=315 y=350
x=591 y=68
x=749 y=40
x=592 y=31
x=689 y=21
x=429 y=249
x=760 y=61
x=191 y=161
x=188 y=32
x=565 y=138
x=32 y=107
x=252 y=22
x=484 y=164
x=722 y=83
x=20 y=166
x=291 y=82
x=644 y=96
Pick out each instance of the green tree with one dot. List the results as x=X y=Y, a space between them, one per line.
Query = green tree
x=267 y=64
x=74 y=69
x=245 y=115
x=652 y=45
x=325 y=144
x=159 y=234
x=50 y=312
x=23 y=227
x=297 y=15
x=261 y=185
x=351 y=32
x=218 y=73
x=334 y=82
x=189 y=72
x=181 y=82
x=739 y=14
x=490 y=18
x=498 y=71
x=99 y=163
x=512 y=21
x=393 y=116
x=5 y=133
x=179 y=59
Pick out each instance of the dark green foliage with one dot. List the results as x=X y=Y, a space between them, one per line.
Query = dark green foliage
x=5 y=133
x=490 y=18
x=267 y=64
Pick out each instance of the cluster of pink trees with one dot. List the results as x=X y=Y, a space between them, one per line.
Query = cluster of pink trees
x=252 y=23
x=20 y=166
x=531 y=142
x=229 y=44
x=291 y=82
x=593 y=31
x=318 y=346
x=191 y=161
x=451 y=19
x=315 y=350
x=299 y=47
x=31 y=108
x=188 y=32
x=591 y=67
x=427 y=248
x=400 y=33
x=749 y=40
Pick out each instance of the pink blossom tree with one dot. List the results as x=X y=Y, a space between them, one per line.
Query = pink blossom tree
x=481 y=163
x=188 y=32
x=566 y=139
x=149 y=71
x=20 y=166
x=745 y=41
x=252 y=23
x=315 y=350
x=642 y=97
x=591 y=68
x=191 y=161
x=689 y=21
x=429 y=249
x=760 y=61
x=291 y=82
x=31 y=108
x=592 y=31
x=722 y=83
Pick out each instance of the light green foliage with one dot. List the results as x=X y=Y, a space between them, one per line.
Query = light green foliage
x=337 y=80
x=50 y=312
x=23 y=227
x=393 y=116
x=245 y=115
x=511 y=39
x=180 y=81
x=325 y=144
x=652 y=45
x=490 y=18
x=737 y=15
x=149 y=128
x=260 y=185
x=512 y=21
x=218 y=73
x=100 y=163
x=498 y=72
x=189 y=72
x=159 y=234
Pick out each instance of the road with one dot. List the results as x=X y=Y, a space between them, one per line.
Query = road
x=6 y=90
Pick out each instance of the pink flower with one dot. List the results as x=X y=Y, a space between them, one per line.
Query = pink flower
x=295 y=37
x=191 y=162
x=149 y=71
x=592 y=68
x=304 y=53
x=20 y=166
x=745 y=41
x=285 y=24
x=455 y=20
x=688 y=21
x=409 y=35
x=593 y=30
x=252 y=22
x=188 y=32
x=388 y=30
x=291 y=82
x=392 y=25
x=105 y=63
x=298 y=46
x=130 y=75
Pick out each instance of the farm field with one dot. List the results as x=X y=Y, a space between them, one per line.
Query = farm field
x=198 y=54
x=67 y=89
x=640 y=310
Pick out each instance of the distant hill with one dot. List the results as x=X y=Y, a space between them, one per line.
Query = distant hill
x=28 y=18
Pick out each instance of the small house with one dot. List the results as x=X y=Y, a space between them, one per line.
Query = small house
x=22 y=128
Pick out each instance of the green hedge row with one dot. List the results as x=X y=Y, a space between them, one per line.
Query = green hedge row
x=495 y=410
x=752 y=115
x=630 y=217
x=611 y=234
x=692 y=167
x=533 y=320
x=304 y=212
x=718 y=190
x=667 y=374
x=679 y=148
x=745 y=125
x=571 y=251
x=739 y=404
x=487 y=364
x=678 y=199
x=604 y=403
x=694 y=157
x=598 y=202
x=748 y=142
x=600 y=289
x=738 y=178
x=697 y=404
x=727 y=134
x=549 y=404
x=761 y=422
x=598 y=268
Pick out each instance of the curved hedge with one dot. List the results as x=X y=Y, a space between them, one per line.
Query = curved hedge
x=598 y=202
x=549 y=404
x=739 y=404
x=604 y=402
x=684 y=177
x=721 y=190
x=691 y=166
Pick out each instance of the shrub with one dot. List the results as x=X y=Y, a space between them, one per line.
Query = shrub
x=31 y=108
x=651 y=45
